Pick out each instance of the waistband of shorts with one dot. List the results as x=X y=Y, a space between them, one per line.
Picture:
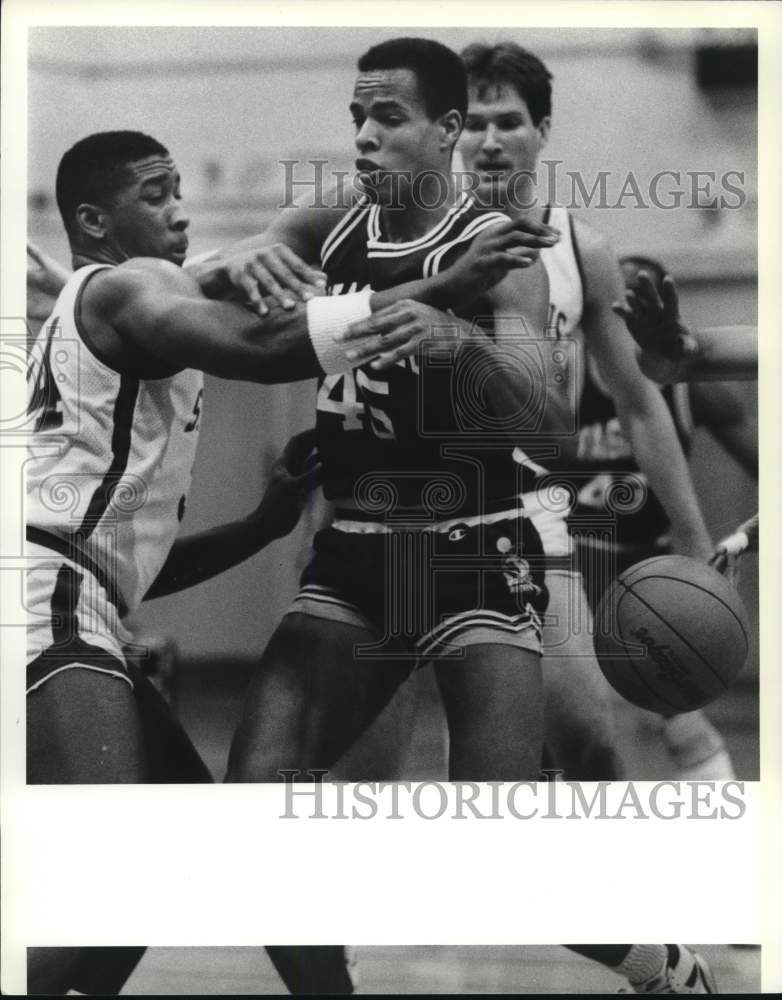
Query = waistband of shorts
x=69 y=549
x=351 y=519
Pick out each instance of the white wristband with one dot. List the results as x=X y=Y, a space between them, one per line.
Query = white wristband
x=328 y=315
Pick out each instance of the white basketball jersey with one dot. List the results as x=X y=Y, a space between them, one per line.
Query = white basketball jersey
x=110 y=456
x=566 y=293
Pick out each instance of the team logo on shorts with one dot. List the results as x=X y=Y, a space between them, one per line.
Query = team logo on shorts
x=518 y=577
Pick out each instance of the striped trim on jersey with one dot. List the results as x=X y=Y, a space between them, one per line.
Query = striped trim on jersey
x=124 y=408
x=380 y=249
x=69 y=650
x=69 y=549
x=434 y=259
x=344 y=228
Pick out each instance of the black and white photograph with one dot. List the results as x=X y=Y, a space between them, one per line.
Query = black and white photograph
x=391 y=437
x=426 y=969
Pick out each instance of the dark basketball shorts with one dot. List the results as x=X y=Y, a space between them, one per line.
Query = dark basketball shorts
x=432 y=591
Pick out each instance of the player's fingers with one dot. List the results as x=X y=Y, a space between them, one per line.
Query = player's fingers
x=517 y=259
x=268 y=283
x=646 y=290
x=297 y=452
x=36 y=254
x=539 y=233
x=248 y=287
x=383 y=321
x=309 y=275
x=277 y=264
x=402 y=340
x=670 y=298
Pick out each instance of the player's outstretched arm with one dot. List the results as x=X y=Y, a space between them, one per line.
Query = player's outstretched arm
x=639 y=404
x=671 y=352
x=154 y=320
x=196 y=558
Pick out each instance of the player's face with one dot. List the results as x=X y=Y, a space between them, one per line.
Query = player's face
x=395 y=138
x=500 y=138
x=146 y=218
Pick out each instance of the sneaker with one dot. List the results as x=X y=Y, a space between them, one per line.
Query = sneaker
x=685 y=972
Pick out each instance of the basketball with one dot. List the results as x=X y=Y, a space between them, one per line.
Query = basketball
x=671 y=634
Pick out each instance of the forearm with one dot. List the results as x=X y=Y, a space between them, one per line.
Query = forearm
x=232 y=343
x=728 y=352
x=201 y=556
x=656 y=448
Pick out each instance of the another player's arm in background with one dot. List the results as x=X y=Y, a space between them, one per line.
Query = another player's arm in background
x=639 y=403
x=198 y=557
x=671 y=352
x=723 y=410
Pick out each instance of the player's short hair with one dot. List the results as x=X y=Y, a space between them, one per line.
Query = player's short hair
x=442 y=81
x=508 y=63
x=95 y=169
x=632 y=264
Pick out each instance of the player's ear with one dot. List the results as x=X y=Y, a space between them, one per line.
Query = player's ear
x=544 y=129
x=451 y=124
x=91 y=220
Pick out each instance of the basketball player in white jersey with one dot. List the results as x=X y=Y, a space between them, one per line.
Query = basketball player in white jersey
x=507 y=127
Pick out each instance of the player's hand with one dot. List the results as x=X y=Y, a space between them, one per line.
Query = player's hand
x=395 y=332
x=274 y=272
x=505 y=247
x=46 y=278
x=668 y=350
x=293 y=476
x=728 y=552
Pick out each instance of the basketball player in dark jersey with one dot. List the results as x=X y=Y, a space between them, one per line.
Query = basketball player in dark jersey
x=417 y=473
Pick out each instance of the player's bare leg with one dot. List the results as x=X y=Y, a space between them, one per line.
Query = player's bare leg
x=579 y=701
x=83 y=728
x=493 y=699
x=310 y=698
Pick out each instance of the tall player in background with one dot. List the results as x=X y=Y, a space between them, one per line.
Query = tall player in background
x=507 y=127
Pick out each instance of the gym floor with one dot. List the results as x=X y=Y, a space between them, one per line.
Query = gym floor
x=419 y=970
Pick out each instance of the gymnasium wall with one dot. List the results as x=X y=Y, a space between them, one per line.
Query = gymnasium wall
x=231 y=103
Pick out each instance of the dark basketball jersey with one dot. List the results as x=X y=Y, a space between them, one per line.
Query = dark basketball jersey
x=414 y=440
x=618 y=485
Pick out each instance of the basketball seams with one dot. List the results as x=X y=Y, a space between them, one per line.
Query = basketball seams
x=637 y=672
x=704 y=590
x=678 y=635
